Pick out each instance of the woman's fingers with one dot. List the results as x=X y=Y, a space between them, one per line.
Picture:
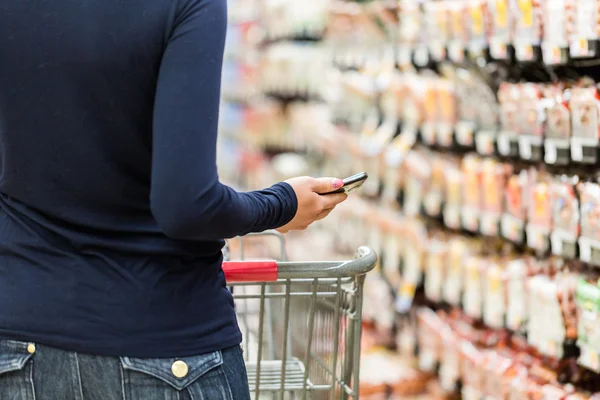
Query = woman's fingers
x=326 y=185
x=332 y=200
x=324 y=214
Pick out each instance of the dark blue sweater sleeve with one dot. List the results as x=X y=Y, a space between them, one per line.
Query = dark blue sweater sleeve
x=187 y=199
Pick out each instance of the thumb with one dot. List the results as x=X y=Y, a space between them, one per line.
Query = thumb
x=326 y=185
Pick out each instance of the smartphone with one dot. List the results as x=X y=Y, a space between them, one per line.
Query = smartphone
x=352 y=183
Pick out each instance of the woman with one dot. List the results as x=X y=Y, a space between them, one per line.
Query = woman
x=111 y=212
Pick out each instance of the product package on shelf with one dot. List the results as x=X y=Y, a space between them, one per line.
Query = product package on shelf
x=557 y=145
x=565 y=216
x=416 y=182
x=435 y=268
x=539 y=218
x=459 y=249
x=555 y=45
x=588 y=310
x=452 y=194
x=472 y=193
x=528 y=30
x=589 y=242
x=585 y=113
x=485 y=101
x=515 y=207
x=552 y=322
x=584 y=30
x=501 y=30
x=479 y=25
x=410 y=31
x=413 y=259
x=510 y=99
x=459 y=32
x=438 y=28
x=493 y=180
x=532 y=124
x=430 y=110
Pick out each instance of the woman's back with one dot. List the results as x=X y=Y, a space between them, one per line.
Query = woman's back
x=89 y=92
x=77 y=89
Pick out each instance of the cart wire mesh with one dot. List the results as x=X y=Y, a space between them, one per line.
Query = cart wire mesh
x=302 y=335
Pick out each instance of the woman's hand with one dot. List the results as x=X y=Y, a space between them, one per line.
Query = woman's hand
x=312 y=205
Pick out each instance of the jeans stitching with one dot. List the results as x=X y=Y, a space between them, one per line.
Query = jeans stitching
x=227 y=385
x=122 y=380
x=31 y=380
x=78 y=372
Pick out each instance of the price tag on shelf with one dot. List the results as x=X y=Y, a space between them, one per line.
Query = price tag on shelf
x=464 y=133
x=557 y=151
x=456 y=52
x=498 y=49
x=476 y=49
x=489 y=223
x=524 y=52
x=484 y=142
x=556 y=244
x=432 y=204
x=552 y=55
x=514 y=321
x=525 y=148
x=585 y=249
x=578 y=146
x=550 y=155
x=438 y=51
x=452 y=217
x=576 y=152
x=470 y=219
x=580 y=48
x=428 y=133
x=444 y=135
x=512 y=228
x=503 y=140
x=536 y=238
x=558 y=239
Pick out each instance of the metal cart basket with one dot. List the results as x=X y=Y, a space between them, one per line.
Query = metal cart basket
x=302 y=323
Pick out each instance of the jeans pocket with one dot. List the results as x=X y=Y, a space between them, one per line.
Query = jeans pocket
x=200 y=378
x=16 y=370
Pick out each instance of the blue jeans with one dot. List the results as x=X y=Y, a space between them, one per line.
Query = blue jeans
x=35 y=372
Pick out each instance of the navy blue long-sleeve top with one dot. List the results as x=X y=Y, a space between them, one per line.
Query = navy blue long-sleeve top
x=112 y=216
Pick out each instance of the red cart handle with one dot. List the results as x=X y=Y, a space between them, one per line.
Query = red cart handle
x=270 y=271
x=250 y=271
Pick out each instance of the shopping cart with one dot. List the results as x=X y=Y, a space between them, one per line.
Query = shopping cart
x=302 y=323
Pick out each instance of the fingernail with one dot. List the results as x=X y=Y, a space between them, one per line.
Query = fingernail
x=338 y=183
